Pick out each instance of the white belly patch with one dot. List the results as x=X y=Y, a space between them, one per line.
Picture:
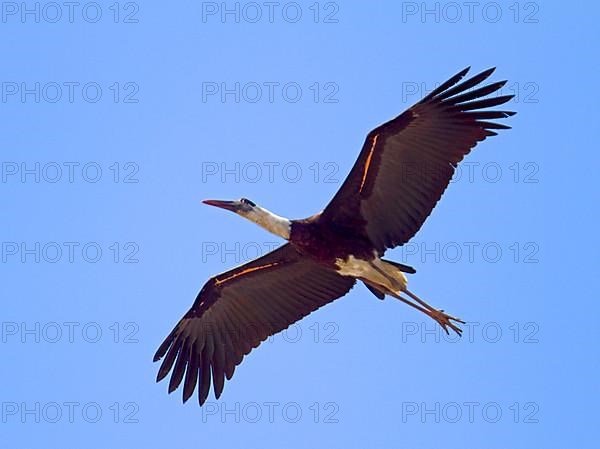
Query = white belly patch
x=376 y=272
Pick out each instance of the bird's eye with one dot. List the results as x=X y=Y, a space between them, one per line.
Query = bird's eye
x=247 y=202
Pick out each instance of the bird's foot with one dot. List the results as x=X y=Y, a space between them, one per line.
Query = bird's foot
x=445 y=321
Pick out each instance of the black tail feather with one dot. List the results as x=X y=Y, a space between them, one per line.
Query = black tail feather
x=375 y=291
x=404 y=268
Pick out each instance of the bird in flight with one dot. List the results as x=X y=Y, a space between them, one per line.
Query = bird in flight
x=400 y=174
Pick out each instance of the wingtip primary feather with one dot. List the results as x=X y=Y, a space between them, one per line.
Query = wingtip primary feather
x=165 y=345
x=480 y=92
x=169 y=359
x=485 y=74
x=494 y=125
x=191 y=375
x=447 y=84
x=161 y=375
x=451 y=91
x=160 y=352
x=188 y=392
x=163 y=371
x=482 y=104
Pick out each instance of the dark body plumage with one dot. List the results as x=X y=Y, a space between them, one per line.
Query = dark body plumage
x=318 y=239
x=400 y=174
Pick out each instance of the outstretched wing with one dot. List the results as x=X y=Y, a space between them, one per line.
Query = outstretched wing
x=406 y=164
x=235 y=311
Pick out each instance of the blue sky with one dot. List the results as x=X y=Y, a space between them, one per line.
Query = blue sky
x=118 y=118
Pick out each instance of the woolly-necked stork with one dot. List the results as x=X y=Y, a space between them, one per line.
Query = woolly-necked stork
x=401 y=172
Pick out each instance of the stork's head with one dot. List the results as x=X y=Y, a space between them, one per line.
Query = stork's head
x=249 y=210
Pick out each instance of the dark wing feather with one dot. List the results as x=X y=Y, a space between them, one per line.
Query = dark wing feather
x=406 y=164
x=237 y=310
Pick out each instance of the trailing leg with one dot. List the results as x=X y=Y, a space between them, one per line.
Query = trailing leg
x=442 y=318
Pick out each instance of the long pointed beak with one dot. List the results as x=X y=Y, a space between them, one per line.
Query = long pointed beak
x=228 y=205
